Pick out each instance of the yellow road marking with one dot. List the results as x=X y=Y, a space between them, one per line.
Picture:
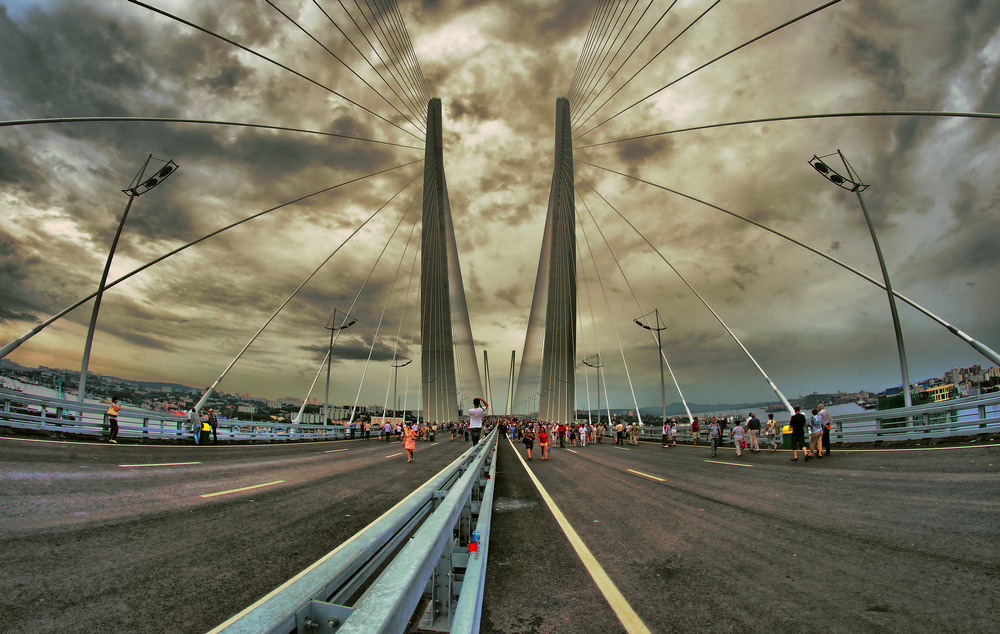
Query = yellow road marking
x=732 y=464
x=336 y=450
x=646 y=475
x=629 y=619
x=256 y=486
x=158 y=464
x=571 y=451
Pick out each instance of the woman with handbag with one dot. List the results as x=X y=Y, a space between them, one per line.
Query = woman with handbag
x=528 y=440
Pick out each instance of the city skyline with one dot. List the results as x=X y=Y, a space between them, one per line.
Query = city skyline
x=499 y=68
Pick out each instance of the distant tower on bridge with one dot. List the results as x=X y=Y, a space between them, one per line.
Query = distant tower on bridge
x=445 y=330
x=554 y=382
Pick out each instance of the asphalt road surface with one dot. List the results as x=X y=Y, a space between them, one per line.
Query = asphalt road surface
x=91 y=543
x=859 y=541
x=869 y=541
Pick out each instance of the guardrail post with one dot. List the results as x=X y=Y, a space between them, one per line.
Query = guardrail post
x=982 y=416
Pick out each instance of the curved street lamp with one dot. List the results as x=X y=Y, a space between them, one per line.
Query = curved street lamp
x=852 y=183
x=138 y=187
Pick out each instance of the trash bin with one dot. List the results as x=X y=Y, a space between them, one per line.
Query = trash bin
x=786 y=436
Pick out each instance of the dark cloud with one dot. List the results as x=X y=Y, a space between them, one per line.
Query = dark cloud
x=475 y=107
x=12 y=167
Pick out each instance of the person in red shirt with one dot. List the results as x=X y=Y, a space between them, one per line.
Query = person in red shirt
x=543 y=442
x=695 y=430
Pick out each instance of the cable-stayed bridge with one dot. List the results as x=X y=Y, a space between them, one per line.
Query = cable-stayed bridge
x=222 y=283
x=371 y=46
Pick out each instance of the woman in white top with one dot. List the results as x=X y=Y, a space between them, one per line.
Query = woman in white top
x=737 y=435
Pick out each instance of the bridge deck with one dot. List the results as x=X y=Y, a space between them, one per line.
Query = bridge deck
x=865 y=540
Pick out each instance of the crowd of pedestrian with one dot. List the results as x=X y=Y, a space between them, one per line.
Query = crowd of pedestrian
x=811 y=436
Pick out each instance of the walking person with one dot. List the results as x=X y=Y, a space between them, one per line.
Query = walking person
x=213 y=423
x=409 y=442
x=714 y=435
x=771 y=431
x=476 y=418
x=798 y=424
x=528 y=440
x=695 y=430
x=673 y=433
x=113 y=410
x=816 y=437
x=619 y=434
x=827 y=424
x=543 y=441
x=665 y=439
x=195 y=419
x=753 y=426
x=584 y=432
x=738 y=437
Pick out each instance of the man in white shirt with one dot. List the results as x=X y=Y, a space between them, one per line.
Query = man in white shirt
x=476 y=418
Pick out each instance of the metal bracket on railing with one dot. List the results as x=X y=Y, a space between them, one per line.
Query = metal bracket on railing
x=322 y=617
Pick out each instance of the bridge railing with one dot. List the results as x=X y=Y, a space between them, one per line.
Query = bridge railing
x=60 y=417
x=971 y=416
x=437 y=570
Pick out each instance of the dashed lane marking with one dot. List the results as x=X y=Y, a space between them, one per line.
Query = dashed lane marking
x=732 y=464
x=395 y=454
x=256 y=486
x=158 y=464
x=646 y=475
x=629 y=619
x=336 y=450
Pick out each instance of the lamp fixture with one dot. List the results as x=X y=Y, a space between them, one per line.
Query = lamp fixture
x=850 y=184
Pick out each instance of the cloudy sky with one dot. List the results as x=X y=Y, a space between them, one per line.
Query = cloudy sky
x=498 y=66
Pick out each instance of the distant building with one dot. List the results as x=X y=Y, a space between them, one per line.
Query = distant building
x=939 y=393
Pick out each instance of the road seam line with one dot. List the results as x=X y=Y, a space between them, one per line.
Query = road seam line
x=255 y=486
x=629 y=619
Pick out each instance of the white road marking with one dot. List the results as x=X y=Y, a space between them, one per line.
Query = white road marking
x=646 y=475
x=158 y=464
x=336 y=450
x=732 y=464
x=256 y=486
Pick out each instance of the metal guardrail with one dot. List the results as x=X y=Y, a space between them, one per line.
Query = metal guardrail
x=971 y=416
x=438 y=523
x=61 y=417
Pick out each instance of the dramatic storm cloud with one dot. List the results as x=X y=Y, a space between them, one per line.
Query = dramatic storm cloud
x=499 y=67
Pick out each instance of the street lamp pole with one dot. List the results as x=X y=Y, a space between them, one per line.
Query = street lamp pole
x=853 y=183
x=597 y=365
x=333 y=328
x=659 y=328
x=395 y=383
x=136 y=188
